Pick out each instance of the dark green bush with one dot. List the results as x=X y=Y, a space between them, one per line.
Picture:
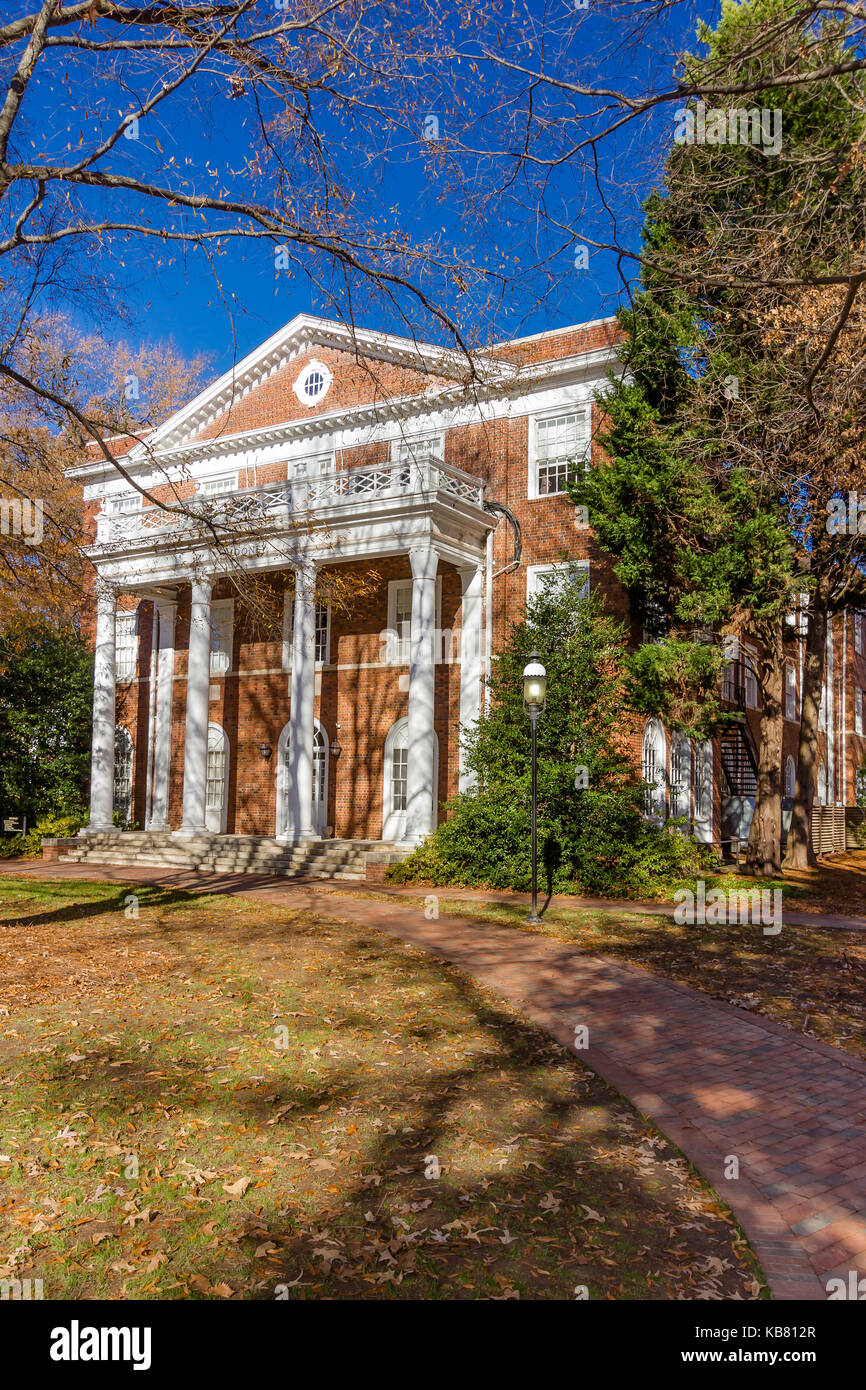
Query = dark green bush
x=591 y=839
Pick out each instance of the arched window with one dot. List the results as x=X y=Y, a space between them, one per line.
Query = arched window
x=790 y=777
x=123 y=760
x=320 y=778
x=821 y=792
x=287 y=811
x=395 y=791
x=681 y=775
x=653 y=768
x=790 y=691
x=216 y=802
x=703 y=810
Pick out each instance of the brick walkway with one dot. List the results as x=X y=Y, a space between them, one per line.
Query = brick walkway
x=723 y=1084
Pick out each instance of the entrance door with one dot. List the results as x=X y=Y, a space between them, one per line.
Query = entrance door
x=320 y=781
x=396 y=781
x=286 y=810
x=216 y=801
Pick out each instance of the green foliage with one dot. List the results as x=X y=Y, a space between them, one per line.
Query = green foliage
x=30 y=845
x=591 y=837
x=45 y=714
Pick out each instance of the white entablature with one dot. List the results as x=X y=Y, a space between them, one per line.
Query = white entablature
x=367 y=513
x=500 y=389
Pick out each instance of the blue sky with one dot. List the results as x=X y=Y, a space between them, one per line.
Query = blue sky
x=176 y=293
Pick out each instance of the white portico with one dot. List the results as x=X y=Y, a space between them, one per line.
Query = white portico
x=324 y=449
x=415 y=507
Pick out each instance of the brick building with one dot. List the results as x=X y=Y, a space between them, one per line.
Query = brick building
x=392 y=511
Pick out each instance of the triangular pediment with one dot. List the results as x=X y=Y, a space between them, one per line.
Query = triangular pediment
x=352 y=367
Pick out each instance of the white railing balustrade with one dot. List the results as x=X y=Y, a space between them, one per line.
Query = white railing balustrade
x=276 y=503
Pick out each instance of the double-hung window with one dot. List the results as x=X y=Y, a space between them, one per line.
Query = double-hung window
x=126 y=646
x=561 y=447
x=323 y=631
x=790 y=691
x=221 y=636
x=218 y=487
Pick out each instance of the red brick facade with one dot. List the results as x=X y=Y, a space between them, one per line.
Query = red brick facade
x=357 y=695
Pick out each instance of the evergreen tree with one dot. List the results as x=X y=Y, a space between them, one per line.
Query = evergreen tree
x=46 y=692
x=592 y=833
x=720 y=469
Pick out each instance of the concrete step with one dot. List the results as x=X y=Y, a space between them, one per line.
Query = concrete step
x=338 y=859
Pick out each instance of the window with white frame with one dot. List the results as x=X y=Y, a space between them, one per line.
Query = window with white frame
x=790 y=777
x=126 y=646
x=313 y=383
x=399 y=634
x=221 y=636
x=653 y=768
x=703 y=770
x=123 y=755
x=418 y=447
x=402 y=624
x=323 y=631
x=120 y=502
x=216 y=769
x=561 y=446
x=821 y=789
x=790 y=691
x=218 y=487
x=858 y=711
x=399 y=778
x=681 y=769
x=859 y=631
x=573 y=576
x=750 y=677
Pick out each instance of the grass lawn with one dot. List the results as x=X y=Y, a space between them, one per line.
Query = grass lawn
x=812 y=981
x=218 y=1098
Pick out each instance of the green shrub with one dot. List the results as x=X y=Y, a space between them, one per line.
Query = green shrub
x=30 y=845
x=592 y=838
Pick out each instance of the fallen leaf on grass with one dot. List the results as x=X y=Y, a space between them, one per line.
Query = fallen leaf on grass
x=237 y=1189
x=144 y=1216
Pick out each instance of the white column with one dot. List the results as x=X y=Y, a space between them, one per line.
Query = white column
x=197 y=691
x=299 y=768
x=470 y=661
x=166 y=613
x=422 y=684
x=104 y=683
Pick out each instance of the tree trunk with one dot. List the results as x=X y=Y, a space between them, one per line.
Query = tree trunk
x=798 y=851
x=764 y=850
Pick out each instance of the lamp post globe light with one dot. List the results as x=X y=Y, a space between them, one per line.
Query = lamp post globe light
x=534 y=701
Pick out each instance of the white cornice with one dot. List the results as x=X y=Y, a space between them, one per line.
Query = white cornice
x=301 y=333
x=503 y=381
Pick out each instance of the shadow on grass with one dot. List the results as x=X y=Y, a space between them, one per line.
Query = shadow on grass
x=548 y=1133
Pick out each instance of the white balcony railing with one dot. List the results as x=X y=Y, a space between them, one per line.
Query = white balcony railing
x=251 y=509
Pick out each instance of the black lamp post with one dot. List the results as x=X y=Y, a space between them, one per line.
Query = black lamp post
x=534 y=701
